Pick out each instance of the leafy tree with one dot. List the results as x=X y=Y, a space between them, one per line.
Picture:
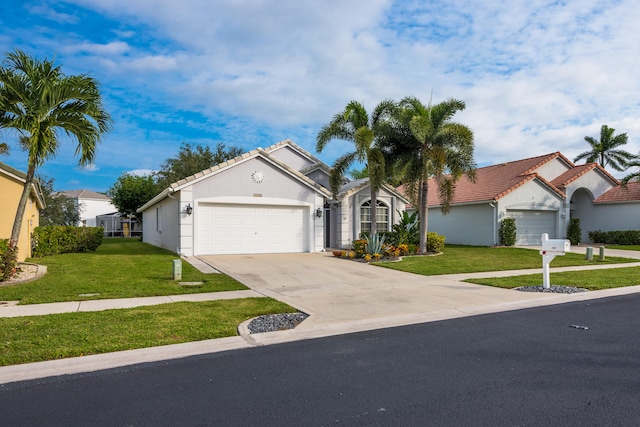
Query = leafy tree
x=425 y=143
x=635 y=176
x=41 y=103
x=4 y=148
x=605 y=151
x=59 y=209
x=359 y=173
x=130 y=192
x=354 y=125
x=192 y=159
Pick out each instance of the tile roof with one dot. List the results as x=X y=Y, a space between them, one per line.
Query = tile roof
x=576 y=172
x=85 y=194
x=619 y=194
x=494 y=182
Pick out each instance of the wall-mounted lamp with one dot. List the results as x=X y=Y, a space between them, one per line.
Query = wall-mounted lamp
x=319 y=212
x=188 y=209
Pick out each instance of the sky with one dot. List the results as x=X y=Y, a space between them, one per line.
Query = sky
x=536 y=76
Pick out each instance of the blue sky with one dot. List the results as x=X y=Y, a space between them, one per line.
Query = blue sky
x=537 y=76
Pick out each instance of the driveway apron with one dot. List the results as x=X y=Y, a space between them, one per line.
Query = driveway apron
x=335 y=291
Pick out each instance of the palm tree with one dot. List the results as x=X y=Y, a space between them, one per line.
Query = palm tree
x=355 y=125
x=427 y=144
x=41 y=104
x=604 y=151
x=4 y=148
x=635 y=176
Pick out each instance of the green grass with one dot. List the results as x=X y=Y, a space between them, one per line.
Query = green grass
x=57 y=336
x=120 y=268
x=473 y=259
x=622 y=247
x=592 y=280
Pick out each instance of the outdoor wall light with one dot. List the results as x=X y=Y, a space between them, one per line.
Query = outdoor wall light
x=188 y=209
x=319 y=213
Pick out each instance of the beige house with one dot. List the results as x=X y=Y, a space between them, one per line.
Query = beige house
x=11 y=186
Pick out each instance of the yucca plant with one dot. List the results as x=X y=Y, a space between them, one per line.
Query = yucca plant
x=375 y=243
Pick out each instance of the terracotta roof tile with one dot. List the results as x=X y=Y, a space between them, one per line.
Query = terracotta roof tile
x=494 y=182
x=619 y=195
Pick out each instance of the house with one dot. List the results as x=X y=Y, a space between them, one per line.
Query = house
x=90 y=204
x=115 y=225
x=542 y=193
x=11 y=187
x=272 y=200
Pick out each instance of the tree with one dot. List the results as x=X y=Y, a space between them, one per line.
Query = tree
x=130 y=192
x=359 y=173
x=41 y=104
x=59 y=209
x=635 y=176
x=427 y=144
x=604 y=151
x=354 y=125
x=192 y=159
x=4 y=148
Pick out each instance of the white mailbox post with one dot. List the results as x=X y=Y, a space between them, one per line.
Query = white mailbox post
x=551 y=249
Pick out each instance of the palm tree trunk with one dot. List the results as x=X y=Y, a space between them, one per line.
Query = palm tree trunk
x=424 y=215
x=22 y=205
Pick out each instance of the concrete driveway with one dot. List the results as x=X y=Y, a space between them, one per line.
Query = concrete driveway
x=336 y=292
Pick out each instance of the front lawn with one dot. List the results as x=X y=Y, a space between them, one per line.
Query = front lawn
x=120 y=268
x=472 y=259
x=622 y=247
x=591 y=279
x=57 y=336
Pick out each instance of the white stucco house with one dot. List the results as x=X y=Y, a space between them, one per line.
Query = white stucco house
x=90 y=204
x=272 y=200
x=542 y=193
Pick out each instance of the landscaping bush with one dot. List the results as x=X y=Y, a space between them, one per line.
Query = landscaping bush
x=625 y=237
x=407 y=231
x=8 y=260
x=508 y=232
x=574 y=231
x=52 y=240
x=435 y=242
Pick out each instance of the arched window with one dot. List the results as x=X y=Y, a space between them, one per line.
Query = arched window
x=382 y=216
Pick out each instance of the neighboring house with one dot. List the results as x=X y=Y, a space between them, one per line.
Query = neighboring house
x=11 y=187
x=116 y=225
x=90 y=204
x=542 y=193
x=272 y=200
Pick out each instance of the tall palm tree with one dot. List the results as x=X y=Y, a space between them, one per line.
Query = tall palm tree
x=605 y=152
x=354 y=125
x=635 y=176
x=41 y=104
x=429 y=145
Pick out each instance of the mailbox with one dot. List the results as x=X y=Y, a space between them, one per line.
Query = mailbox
x=557 y=246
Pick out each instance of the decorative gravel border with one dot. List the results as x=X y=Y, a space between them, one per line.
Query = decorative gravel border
x=555 y=289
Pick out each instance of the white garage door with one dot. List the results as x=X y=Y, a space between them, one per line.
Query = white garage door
x=251 y=229
x=531 y=224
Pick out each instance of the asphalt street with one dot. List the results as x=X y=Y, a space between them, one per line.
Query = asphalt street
x=569 y=364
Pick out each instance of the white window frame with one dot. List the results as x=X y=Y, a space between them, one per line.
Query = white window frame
x=381 y=218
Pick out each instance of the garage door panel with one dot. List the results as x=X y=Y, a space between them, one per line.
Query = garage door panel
x=236 y=229
x=531 y=224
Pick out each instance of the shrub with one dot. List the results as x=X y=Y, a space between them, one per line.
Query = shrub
x=407 y=231
x=625 y=237
x=52 y=240
x=374 y=244
x=574 y=232
x=8 y=260
x=435 y=242
x=508 y=231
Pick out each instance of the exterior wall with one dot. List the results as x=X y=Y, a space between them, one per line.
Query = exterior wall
x=465 y=224
x=552 y=169
x=535 y=196
x=348 y=214
x=10 y=192
x=91 y=208
x=320 y=177
x=291 y=157
x=160 y=224
x=607 y=217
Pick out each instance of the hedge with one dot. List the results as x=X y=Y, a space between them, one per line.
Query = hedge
x=508 y=232
x=625 y=237
x=58 y=239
